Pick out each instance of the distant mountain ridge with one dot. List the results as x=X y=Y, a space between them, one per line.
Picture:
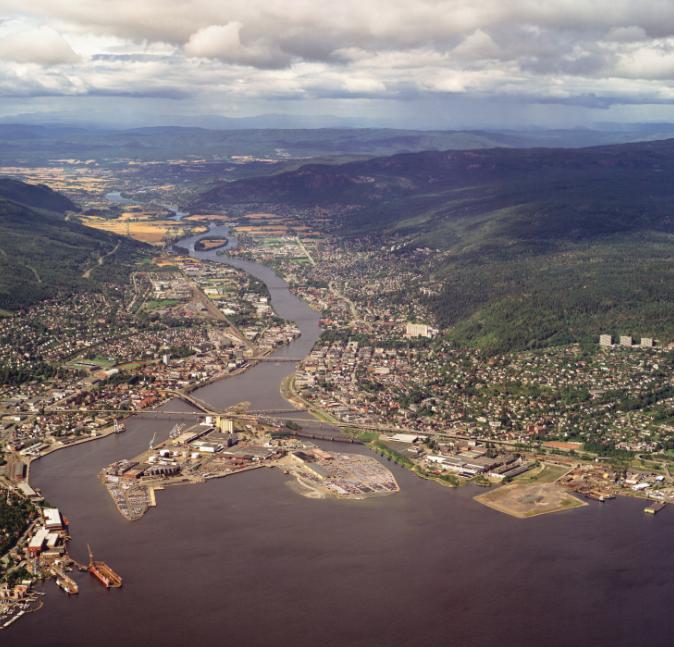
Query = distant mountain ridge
x=31 y=143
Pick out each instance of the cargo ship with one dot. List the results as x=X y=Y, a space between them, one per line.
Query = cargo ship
x=103 y=573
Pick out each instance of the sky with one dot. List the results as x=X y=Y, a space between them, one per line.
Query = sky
x=403 y=63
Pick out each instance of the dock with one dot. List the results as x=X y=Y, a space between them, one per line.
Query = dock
x=103 y=573
x=654 y=507
x=598 y=496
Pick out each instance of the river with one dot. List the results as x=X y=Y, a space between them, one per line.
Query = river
x=246 y=561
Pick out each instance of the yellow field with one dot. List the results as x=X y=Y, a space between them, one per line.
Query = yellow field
x=153 y=232
x=207 y=218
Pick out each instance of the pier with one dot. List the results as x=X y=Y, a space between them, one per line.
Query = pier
x=654 y=507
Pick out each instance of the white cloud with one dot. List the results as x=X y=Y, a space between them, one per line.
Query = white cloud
x=223 y=42
x=557 y=50
x=216 y=41
x=647 y=63
x=42 y=45
x=479 y=45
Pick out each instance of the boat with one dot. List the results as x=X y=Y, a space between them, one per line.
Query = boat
x=67 y=584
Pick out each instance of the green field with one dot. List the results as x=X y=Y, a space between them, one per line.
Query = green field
x=101 y=362
x=158 y=304
x=544 y=474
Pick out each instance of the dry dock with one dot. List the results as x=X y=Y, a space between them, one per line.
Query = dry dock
x=103 y=573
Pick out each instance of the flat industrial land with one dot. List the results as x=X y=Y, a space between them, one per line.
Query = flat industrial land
x=524 y=500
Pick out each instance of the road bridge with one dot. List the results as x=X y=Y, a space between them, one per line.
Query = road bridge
x=319 y=429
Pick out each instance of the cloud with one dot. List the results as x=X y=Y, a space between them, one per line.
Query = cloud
x=650 y=63
x=479 y=45
x=223 y=42
x=42 y=45
x=594 y=53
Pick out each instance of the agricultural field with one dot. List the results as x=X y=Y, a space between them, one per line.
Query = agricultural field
x=207 y=218
x=153 y=232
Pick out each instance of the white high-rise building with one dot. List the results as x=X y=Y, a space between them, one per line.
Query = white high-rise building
x=418 y=330
x=606 y=341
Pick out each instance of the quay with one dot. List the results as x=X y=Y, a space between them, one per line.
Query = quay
x=598 y=496
x=654 y=507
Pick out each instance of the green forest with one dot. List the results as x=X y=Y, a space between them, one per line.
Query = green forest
x=43 y=254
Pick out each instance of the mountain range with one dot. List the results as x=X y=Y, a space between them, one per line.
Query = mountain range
x=30 y=144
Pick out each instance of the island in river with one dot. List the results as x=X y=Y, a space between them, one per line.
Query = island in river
x=207 y=244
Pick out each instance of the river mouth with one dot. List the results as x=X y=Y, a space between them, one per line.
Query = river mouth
x=247 y=561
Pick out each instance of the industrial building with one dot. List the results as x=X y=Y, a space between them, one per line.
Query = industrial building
x=52 y=519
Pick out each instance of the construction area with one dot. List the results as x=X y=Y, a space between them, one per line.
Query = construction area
x=530 y=496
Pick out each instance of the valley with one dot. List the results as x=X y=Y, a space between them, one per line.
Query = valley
x=444 y=338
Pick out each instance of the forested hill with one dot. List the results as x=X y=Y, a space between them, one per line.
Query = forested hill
x=447 y=179
x=36 y=196
x=41 y=253
x=540 y=246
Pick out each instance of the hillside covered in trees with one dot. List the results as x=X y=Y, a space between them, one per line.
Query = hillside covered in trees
x=534 y=247
x=41 y=252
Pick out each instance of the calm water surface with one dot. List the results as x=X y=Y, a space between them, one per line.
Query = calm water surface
x=246 y=561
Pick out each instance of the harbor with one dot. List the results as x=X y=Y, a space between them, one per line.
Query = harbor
x=217 y=448
x=247 y=545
